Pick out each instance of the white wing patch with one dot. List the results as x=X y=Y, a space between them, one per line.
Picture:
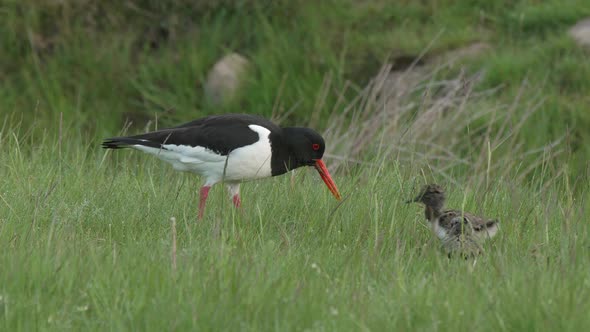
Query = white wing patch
x=487 y=232
x=245 y=163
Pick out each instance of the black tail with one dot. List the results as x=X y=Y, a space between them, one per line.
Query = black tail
x=124 y=142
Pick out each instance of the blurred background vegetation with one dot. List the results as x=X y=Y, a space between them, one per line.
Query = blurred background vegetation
x=99 y=65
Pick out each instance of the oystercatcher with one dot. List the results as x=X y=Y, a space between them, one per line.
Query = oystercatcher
x=232 y=148
x=459 y=231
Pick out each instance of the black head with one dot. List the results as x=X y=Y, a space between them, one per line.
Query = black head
x=431 y=195
x=306 y=145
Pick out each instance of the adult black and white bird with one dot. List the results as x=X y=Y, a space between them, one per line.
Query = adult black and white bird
x=459 y=231
x=232 y=148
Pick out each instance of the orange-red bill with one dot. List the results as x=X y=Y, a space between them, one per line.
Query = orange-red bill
x=321 y=167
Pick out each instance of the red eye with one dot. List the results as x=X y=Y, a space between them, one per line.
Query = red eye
x=315 y=146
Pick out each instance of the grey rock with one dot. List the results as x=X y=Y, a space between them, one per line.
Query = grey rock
x=580 y=32
x=225 y=79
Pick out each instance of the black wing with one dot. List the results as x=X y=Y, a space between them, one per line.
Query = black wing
x=219 y=133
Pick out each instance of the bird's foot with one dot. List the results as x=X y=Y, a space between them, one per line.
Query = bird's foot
x=237 y=201
x=202 y=199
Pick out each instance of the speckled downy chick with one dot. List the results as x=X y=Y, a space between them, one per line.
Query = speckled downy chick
x=460 y=231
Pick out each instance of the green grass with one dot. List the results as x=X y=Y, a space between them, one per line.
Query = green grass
x=87 y=244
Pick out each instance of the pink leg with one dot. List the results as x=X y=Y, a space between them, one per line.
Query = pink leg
x=234 y=193
x=237 y=201
x=202 y=199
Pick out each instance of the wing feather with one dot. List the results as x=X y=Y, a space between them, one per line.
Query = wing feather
x=220 y=134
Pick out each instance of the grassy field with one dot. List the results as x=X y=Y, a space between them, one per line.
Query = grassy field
x=88 y=245
x=87 y=237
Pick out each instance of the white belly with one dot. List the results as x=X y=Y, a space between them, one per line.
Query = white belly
x=440 y=232
x=242 y=164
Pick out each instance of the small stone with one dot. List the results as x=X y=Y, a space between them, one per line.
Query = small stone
x=225 y=79
x=581 y=32
x=82 y=308
x=333 y=311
